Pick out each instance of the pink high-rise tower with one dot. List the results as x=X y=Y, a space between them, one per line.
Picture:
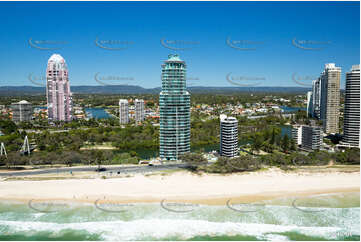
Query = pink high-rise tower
x=58 y=90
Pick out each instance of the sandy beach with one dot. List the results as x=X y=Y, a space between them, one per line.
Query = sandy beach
x=212 y=189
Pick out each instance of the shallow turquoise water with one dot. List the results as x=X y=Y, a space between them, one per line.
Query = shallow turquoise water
x=331 y=217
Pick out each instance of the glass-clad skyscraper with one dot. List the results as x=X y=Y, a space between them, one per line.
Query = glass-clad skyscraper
x=174 y=104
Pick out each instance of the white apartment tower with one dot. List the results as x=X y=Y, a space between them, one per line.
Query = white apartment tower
x=139 y=110
x=22 y=111
x=297 y=134
x=351 y=126
x=123 y=111
x=229 y=136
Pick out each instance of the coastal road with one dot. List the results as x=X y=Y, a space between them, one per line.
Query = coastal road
x=113 y=169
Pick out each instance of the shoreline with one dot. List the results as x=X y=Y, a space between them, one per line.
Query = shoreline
x=208 y=189
x=210 y=201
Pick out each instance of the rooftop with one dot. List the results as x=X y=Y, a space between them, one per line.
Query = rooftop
x=174 y=57
x=23 y=102
x=355 y=68
x=56 y=58
x=331 y=66
x=224 y=118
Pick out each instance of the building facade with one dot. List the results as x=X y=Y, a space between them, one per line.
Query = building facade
x=309 y=104
x=22 y=111
x=330 y=98
x=174 y=108
x=351 y=126
x=316 y=98
x=311 y=137
x=297 y=134
x=123 y=111
x=229 y=136
x=59 y=97
x=139 y=110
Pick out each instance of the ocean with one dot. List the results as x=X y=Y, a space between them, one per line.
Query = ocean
x=321 y=217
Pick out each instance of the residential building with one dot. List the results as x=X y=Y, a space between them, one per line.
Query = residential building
x=309 y=104
x=59 y=97
x=297 y=134
x=174 y=106
x=311 y=137
x=22 y=111
x=229 y=136
x=316 y=98
x=123 y=111
x=139 y=110
x=351 y=120
x=330 y=98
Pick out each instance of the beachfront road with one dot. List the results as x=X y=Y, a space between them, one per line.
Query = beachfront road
x=114 y=169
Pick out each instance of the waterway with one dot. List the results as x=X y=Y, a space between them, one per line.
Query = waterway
x=287 y=109
x=97 y=113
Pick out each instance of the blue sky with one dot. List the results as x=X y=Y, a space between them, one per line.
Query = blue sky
x=273 y=43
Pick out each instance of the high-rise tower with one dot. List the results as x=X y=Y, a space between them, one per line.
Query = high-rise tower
x=22 y=111
x=59 y=97
x=316 y=98
x=229 y=136
x=174 y=104
x=351 y=128
x=330 y=98
x=311 y=137
x=123 y=111
x=309 y=104
x=139 y=110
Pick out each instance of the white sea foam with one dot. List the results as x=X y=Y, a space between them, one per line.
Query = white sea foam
x=164 y=228
x=150 y=221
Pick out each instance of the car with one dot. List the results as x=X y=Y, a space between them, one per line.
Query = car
x=154 y=162
x=100 y=169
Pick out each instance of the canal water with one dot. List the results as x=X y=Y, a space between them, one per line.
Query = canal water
x=287 y=109
x=97 y=113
